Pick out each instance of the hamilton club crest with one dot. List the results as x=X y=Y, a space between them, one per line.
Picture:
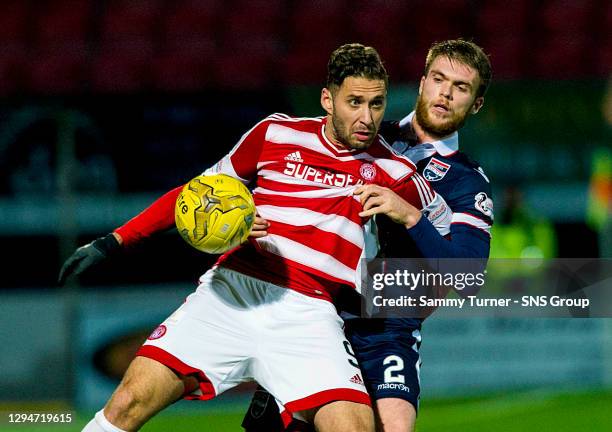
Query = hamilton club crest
x=367 y=171
x=158 y=332
x=435 y=170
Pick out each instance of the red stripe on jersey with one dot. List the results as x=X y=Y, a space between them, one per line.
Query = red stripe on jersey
x=245 y=154
x=284 y=187
x=409 y=189
x=260 y=264
x=347 y=207
x=323 y=241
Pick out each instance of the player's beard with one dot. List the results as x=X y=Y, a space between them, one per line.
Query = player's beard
x=343 y=134
x=440 y=128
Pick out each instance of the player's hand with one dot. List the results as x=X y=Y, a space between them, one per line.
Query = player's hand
x=260 y=227
x=88 y=255
x=381 y=200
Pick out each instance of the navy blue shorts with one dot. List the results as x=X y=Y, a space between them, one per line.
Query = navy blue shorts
x=388 y=353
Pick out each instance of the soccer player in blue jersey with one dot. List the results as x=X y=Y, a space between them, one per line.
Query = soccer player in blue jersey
x=457 y=74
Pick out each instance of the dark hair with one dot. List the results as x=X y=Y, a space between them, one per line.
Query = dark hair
x=465 y=52
x=354 y=60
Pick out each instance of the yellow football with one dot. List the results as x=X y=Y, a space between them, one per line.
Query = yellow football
x=214 y=213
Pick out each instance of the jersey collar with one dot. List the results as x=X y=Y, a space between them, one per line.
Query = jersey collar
x=445 y=147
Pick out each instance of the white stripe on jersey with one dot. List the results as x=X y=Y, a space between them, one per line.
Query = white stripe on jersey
x=279 y=134
x=297 y=216
x=263 y=164
x=471 y=220
x=224 y=166
x=243 y=137
x=424 y=188
x=395 y=169
x=420 y=191
x=285 y=117
x=284 y=135
x=283 y=178
x=306 y=256
x=439 y=214
x=316 y=193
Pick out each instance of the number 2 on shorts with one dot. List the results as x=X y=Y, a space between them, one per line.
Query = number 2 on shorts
x=396 y=364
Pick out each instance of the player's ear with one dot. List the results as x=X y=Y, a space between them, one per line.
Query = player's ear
x=327 y=101
x=421 y=84
x=478 y=103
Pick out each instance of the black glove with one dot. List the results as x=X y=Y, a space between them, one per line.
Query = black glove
x=88 y=255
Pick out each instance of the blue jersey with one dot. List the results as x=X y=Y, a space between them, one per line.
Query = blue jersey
x=465 y=188
x=388 y=349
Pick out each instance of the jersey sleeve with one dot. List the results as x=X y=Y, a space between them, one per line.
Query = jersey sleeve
x=417 y=191
x=158 y=217
x=471 y=204
x=241 y=161
x=472 y=217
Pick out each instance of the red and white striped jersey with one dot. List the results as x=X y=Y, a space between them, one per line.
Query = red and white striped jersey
x=304 y=187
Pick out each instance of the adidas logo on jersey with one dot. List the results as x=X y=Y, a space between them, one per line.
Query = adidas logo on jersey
x=295 y=156
x=356 y=379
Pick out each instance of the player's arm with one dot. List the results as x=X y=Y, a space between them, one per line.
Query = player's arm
x=467 y=248
x=158 y=217
x=470 y=223
x=406 y=202
x=463 y=242
x=241 y=163
x=472 y=218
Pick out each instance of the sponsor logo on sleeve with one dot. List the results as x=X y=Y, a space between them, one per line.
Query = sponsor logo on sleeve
x=484 y=204
x=435 y=170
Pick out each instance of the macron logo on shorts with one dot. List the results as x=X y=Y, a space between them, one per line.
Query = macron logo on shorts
x=393 y=386
x=356 y=379
x=295 y=157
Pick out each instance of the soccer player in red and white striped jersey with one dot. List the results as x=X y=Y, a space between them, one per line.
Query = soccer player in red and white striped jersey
x=264 y=311
x=304 y=188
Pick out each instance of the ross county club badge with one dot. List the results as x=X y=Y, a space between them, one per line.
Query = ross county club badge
x=435 y=170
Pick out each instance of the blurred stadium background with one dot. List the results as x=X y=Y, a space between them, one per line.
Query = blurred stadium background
x=106 y=104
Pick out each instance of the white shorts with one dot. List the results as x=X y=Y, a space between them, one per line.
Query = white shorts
x=235 y=328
